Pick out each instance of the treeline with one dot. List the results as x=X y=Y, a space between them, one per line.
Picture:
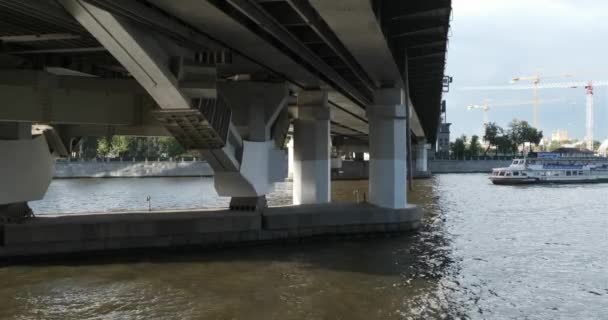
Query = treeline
x=129 y=147
x=502 y=141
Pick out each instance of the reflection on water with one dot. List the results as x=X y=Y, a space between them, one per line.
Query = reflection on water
x=484 y=252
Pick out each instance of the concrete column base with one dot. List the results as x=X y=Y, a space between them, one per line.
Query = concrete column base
x=248 y=203
x=15 y=213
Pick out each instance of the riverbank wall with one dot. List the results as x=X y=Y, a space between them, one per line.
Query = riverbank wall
x=83 y=233
x=466 y=166
x=350 y=170
x=126 y=169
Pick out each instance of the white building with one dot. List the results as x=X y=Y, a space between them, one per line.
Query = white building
x=560 y=135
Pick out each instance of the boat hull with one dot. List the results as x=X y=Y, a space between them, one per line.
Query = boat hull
x=538 y=181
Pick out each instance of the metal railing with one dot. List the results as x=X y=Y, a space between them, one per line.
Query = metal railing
x=133 y=159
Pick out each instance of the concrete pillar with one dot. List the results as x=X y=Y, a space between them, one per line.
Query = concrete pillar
x=311 y=154
x=387 y=165
x=421 y=156
x=26 y=169
x=290 y=159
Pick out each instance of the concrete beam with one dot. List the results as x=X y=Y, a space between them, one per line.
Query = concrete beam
x=41 y=97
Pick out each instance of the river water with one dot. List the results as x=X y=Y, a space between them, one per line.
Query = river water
x=484 y=252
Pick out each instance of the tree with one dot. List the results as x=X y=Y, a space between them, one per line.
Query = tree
x=492 y=132
x=113 y=147
x=459 y=147
x=120 y=145
x=474 y=146
x=505 y=145
x=103 y=147
x=521 y=132
x=169 y=147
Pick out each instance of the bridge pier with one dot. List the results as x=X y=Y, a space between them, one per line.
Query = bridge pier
x=387 y=169
x=422 y=159
x=26 y=169
x=311 y=153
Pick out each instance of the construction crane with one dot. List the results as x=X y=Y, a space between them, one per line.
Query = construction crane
x=589 y=89
x=535 y=83
x=486 y=105
x=589 y=118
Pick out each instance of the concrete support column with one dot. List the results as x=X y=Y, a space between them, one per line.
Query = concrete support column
x=26 y=168
x=421 y=156
x=387 y=165
x=311 y=154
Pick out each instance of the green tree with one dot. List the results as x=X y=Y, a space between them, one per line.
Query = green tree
x=474 y=146
x=492 y=132
x=169 y=147
x=521 y=132
x=103 y=147
x=458 y=147
x=120 y=145
x=505 y=145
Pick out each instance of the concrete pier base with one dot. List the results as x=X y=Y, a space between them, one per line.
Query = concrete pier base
x=50 y=235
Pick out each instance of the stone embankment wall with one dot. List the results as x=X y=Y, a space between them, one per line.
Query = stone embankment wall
x=124 y=169
x=466 y=166
x=349 y=170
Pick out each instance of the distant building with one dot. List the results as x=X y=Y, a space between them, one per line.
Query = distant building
x=443 y=140
x=560 y=135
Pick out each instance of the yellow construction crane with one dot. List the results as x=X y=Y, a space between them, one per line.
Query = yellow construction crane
x=587 y=85
x=535 y=82
x=487 y=105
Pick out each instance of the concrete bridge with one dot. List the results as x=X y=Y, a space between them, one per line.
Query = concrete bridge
x=232 y=80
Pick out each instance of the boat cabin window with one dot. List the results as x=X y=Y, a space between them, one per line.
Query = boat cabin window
x=502 y=173
x=523 y=173
x=556 y=174
x=508 y=173
x=516 y=173
x=580 y=173
x=568 y=173
x=574 y=173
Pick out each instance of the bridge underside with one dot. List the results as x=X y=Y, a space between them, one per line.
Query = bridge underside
x=230 y=80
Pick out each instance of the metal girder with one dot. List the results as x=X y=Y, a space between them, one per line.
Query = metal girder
x=66 y=50
x=405 y=32
x=416 y=9
x=355 y=131
x=156 y=20
x=420 y=52
x=254 y=17
x=413 y=40
x=39 y=37
x=403 y=26
x=428 y=56
x=310 y=15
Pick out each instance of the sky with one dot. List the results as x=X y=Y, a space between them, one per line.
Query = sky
x=492 y=41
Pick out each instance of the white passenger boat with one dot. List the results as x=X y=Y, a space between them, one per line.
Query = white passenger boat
x=564 y=165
